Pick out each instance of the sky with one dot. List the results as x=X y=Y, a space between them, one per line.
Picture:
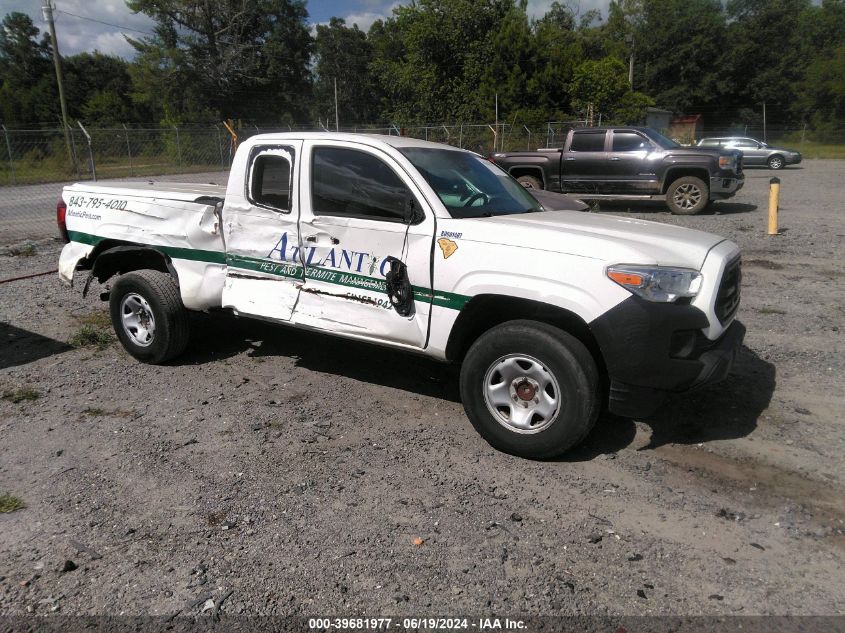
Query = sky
x=88 y=25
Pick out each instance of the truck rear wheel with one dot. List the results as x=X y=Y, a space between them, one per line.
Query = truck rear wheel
x=687 y=195
x=148 y=316
x=530 y=182
x=530 y=389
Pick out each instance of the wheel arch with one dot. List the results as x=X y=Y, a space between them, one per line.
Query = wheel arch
x=675 y=173
x=486 y=311
x=113 y=257
x=529 y=170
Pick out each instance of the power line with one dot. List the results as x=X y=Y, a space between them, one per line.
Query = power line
x=117 y=26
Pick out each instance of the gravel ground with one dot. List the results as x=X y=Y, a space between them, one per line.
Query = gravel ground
x=287 y=473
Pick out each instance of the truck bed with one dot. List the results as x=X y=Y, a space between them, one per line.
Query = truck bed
x=181 y=191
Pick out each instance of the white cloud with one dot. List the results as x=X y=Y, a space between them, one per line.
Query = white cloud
x=76 y=35
x=365 y=20
x=538 y=8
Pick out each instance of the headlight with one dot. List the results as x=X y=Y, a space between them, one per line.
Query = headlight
x=656 y=283
x=727 y=162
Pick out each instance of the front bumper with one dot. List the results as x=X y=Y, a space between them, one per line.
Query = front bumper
x=725 y=187
x=652 y=349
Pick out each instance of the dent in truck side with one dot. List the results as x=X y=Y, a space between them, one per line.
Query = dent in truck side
x=185 y=232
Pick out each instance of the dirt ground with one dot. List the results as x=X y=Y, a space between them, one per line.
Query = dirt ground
x=277 y=472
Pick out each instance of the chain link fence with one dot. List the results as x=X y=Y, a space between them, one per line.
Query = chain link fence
x=36 y=164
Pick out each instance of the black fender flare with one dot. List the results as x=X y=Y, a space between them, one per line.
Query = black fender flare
x=126 y=258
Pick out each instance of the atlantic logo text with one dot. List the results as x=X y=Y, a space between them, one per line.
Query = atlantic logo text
x=337 y=258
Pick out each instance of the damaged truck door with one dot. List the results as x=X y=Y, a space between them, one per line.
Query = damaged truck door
x=264 y=271
x=358 y=208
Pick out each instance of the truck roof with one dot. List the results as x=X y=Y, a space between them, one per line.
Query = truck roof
x=393 y=141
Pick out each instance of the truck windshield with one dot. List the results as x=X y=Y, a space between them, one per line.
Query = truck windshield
x=665 y=143
x=468 y=185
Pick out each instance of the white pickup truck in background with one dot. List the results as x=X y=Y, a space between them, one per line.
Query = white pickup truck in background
x=553 y=315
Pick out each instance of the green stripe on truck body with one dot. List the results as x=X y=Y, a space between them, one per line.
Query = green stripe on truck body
x=289 y=270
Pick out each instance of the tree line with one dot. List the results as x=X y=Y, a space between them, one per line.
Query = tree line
x=437 y=61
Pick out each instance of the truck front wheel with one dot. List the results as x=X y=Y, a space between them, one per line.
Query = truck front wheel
x=530 y=182
x=148 y=316
x=530 y=389
x=687 y=195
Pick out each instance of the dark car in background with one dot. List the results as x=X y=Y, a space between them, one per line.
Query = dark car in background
x=754 y=153
x=629 y=163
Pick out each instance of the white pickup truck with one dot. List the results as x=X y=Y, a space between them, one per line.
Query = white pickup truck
x=553 y=315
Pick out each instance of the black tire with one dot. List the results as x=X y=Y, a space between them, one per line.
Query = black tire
x=152 y=293
x=530 y=182
x=687 y=195
x=561 y=356
x=776 y=162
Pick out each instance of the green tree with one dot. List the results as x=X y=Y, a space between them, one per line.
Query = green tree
x=559 y=48
x=231 y=58
x=27 y=85
x=604 y=85
x=431 y=57
x=98 y=89
x=677 y=45
x=344 y=54
x=821 y=100
x=767 y=58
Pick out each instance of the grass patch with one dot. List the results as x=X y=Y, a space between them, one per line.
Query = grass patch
x=9 y=503
x=45 y=171
x=811 y=149
x=25 y=250
x=763 y=263
x=770 y=310
x=23 y=394
x=95 y=330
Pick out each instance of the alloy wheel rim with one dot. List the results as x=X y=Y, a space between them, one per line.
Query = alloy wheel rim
x=687 y=196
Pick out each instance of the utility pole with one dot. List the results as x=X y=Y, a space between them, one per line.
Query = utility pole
x=630 y=40
x=764 y=122
x=47 y=12
x=496 y=133
x=336 y=115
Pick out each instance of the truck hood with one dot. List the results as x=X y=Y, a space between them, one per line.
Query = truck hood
x=612 y=239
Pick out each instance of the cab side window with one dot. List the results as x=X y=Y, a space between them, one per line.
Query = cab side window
x=352 y=183
x=587 y=142
x=270 y=181
x=629 y=142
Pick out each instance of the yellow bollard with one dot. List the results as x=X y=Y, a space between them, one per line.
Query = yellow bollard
x=774 y=195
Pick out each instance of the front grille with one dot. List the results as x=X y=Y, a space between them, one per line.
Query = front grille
x=727 y=299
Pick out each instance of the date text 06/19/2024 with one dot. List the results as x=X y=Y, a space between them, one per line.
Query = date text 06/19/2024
x=415 y=624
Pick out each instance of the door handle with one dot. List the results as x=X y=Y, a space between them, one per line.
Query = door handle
x=614 y=158
x=313 y=239
x=568 y=159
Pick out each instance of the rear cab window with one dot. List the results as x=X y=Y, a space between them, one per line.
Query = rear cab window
x=270 y=178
